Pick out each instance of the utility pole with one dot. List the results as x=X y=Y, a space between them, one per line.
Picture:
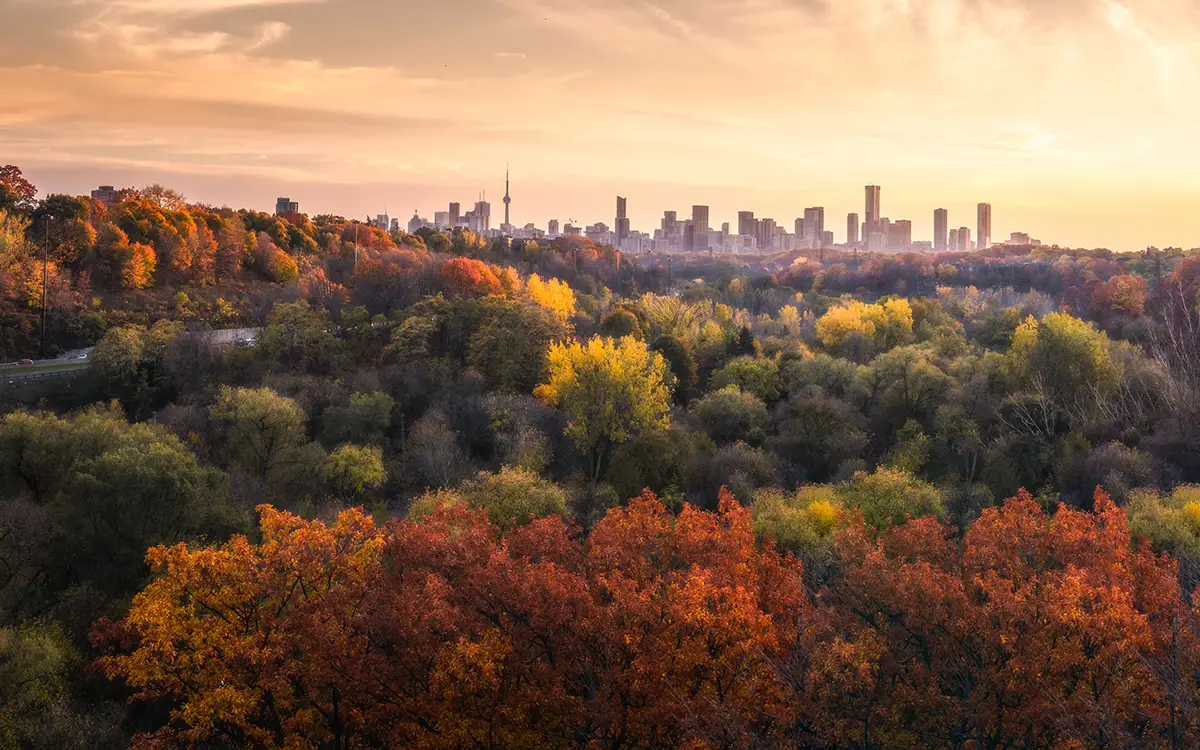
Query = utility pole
x=356 y=247
x=669 y=259
x=45 y=280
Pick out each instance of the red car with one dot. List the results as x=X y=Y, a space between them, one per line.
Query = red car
x=25 y=362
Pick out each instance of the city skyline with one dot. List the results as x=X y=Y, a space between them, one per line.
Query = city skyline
x=1075 y=117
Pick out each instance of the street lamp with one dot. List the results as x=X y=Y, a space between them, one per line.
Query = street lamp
x=45 y=280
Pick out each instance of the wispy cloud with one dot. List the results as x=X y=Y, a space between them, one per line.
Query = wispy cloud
x=509 y=55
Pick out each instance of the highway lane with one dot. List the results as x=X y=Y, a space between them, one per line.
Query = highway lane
x=78 y=360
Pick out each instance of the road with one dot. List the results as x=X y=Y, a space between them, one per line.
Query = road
x=78 y=360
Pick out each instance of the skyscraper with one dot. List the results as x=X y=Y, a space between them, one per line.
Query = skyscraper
x=455 y=214
x=622 y=225
x=766 y=234
x=800 y=231
x=964 y=239
x=552 y=230
x=483 y=217
x=899 y=235
x=814 y=227
x=507 y=201
x=852 y=229
x=700 y=220
x=954 y=248
x=941 y=223
x=873 y=214
x=983 y=235
x=746 y=223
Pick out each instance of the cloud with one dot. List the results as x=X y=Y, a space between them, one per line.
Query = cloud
x=269 y=33
x=184 y=7
x=509 y=55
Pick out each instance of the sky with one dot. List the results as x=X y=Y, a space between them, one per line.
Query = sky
x=1075 y=119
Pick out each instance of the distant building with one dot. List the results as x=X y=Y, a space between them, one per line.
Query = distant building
x=1022 y=239
x=552 y=230
x=745 y=223
x=415 y=223
x=826 y=239
x=766 y=234
x=282 y=206
x=395 y=225
x=622 y=225
x=923 y=246
x=441 y=220
x=455 y=214
x=900 y=235
x=814 y=227
x=852 y=229
x=107 y=194
x=481 y=217
x=725 y=228
x=941 y=223
x=876 y=242
x=383 y=221
x=983 y=235
x=953 y=242
x=799 y=226
x=700 y=220
x=964 y=240
x=873 y=214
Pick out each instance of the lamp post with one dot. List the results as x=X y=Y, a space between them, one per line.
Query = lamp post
x=45 y=284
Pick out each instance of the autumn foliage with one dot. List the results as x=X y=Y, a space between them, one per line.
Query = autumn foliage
x=656 y=630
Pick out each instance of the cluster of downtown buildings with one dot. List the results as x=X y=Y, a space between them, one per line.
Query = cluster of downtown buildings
x=872 y=232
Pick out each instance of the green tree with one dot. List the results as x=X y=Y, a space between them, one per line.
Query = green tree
x=264 y=432
x=683 y=366
x=352 y=470
x=612 y=389
x=1065 y=359
x=365 y=421
x=889 y=497
x=297 y=338
x=729 y=415
x=512 y=497
x=757 y=375
x=510 y=347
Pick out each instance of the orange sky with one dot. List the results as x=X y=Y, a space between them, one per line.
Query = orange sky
x=1074 y=118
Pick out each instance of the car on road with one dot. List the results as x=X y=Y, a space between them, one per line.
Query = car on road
x=25 y=362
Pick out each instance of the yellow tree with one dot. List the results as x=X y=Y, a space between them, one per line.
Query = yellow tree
x=613 y=390
x=553 y=295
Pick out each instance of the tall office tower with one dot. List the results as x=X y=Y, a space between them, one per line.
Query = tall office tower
x=964 y=240
x=766 y=234
x=669 y=220
x=953 y=242
x=941 y=222
x=700 y=219
x=746 y=223
x=814 y=227
x=455 y=214
x=622 y=225
x=873 y=214
x=725 y=228
x=899 y=235
x=852 y=229
x=826 y=239
x=689 y=235
x=552 y=230
x=282 y=206
x=983 y=236
x=507 y=200
x=483 y=217
x=799 y=231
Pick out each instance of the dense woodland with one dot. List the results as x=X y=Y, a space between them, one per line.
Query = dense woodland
x=463 y=494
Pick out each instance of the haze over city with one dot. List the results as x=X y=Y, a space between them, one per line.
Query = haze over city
x=1072 y=117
